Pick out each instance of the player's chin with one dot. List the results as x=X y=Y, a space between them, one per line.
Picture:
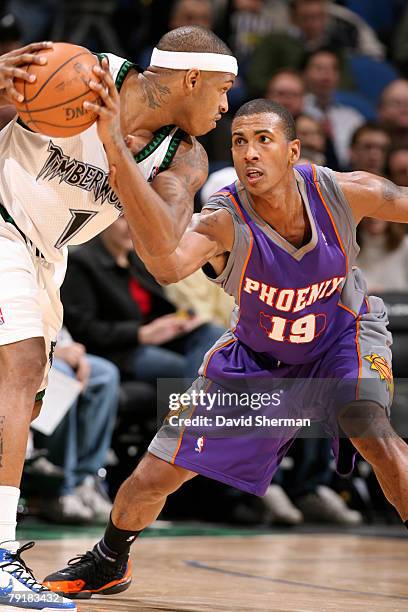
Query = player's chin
x=201 y=130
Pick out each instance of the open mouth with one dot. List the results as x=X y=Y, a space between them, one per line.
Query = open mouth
x=253 y=175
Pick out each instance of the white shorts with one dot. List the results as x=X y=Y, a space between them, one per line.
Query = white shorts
x=30 y=304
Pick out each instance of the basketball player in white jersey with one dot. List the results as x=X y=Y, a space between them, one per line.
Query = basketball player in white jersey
x=55 y=192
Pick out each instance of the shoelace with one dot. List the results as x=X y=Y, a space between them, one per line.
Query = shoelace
x=90 y=558
x=21 y=570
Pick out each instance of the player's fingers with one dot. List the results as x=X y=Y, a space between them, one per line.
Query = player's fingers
x=95 y=108
x=31 y=48
x=13 y=94
x=103 y=93
x=106 y=77
x=26 y=58
x=18 y=73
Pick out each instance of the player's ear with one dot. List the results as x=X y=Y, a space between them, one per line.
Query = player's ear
x=294 y=151
x=191 y=79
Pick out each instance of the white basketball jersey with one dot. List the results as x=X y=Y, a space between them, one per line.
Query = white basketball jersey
x=56 y=190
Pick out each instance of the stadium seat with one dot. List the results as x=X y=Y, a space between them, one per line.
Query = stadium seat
x=371 y=76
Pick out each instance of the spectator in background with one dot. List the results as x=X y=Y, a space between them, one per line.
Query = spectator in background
x=243 y=23
x=393 y=112
x=118 y=310
x=383 y=256
x=81 y=441
x=322 y=74
x=287 y=88
x=310 y=25
x=398 y=167
x=191 y=12
x=313 y=140
x=369 y=148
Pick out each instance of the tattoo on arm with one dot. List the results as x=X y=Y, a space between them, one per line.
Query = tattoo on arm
x=393 y=192
x=2 y=421
x=154 y=94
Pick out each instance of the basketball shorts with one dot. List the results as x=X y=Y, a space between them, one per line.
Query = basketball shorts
x=242 y=443
x=30 y=303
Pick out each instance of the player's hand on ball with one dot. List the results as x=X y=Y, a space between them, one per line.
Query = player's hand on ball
x=13 y=65
x=108 y=111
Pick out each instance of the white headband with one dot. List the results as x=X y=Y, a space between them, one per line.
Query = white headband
x=176 y=60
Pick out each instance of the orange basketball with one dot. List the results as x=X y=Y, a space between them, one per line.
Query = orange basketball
x=53 y=104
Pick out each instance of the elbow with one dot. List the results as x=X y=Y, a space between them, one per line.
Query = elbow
x=166 y=278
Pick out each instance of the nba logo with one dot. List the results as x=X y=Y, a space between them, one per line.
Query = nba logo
x=199 y=444
x=1 y=318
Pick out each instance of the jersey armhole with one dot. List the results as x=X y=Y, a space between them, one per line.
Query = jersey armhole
x=207 y=267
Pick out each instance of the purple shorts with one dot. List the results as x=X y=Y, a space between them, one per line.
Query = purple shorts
x=218 y=431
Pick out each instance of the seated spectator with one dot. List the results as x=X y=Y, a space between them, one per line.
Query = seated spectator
x=117 y=309
x=243 y=23
x=287 y=88
x=81 y=441
x=191 y=12
x=393 y=112
x=398 y=167
x=310 y=25
x=321 y=74
x=311 y=135
x=383 y=256
x=206 y=299
x=369 y=147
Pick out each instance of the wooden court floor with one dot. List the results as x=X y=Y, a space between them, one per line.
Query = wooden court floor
x=284 y=572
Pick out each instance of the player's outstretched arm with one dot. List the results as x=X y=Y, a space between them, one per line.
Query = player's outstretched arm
x=374 y=196
x=157 y=213
x=13 y=65
x=209 y=238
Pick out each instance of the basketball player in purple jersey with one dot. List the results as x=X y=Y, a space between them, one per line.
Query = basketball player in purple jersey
x=282 y=241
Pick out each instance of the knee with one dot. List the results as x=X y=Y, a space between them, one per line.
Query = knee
x=154 y=479
x=364 y=419
x=367 y=424
x=24 y=363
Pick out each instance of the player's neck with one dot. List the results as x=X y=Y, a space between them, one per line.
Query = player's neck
x=282 y=207
x=281 y=200
x=146 y=102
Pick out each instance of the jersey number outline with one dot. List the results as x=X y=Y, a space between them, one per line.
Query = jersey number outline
x=79 y=218
x=301 y=331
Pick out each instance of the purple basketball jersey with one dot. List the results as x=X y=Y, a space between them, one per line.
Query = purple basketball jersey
x=290 y=299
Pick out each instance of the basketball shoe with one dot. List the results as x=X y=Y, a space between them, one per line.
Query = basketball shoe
x=19 y=590
x=89 y=574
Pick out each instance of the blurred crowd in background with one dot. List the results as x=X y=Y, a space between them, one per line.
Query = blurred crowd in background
x=341 y=68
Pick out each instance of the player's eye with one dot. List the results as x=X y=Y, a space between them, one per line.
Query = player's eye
x=238 y=141
x=264 y=139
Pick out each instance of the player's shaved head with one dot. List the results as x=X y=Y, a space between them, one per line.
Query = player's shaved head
x=193 y=39
x=263 y=106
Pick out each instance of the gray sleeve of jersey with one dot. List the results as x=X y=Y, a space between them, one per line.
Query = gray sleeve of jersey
x=230 y=277
x=354 y=288
x=340 y=210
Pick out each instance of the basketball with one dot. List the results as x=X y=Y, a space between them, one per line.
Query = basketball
x=53 y=104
